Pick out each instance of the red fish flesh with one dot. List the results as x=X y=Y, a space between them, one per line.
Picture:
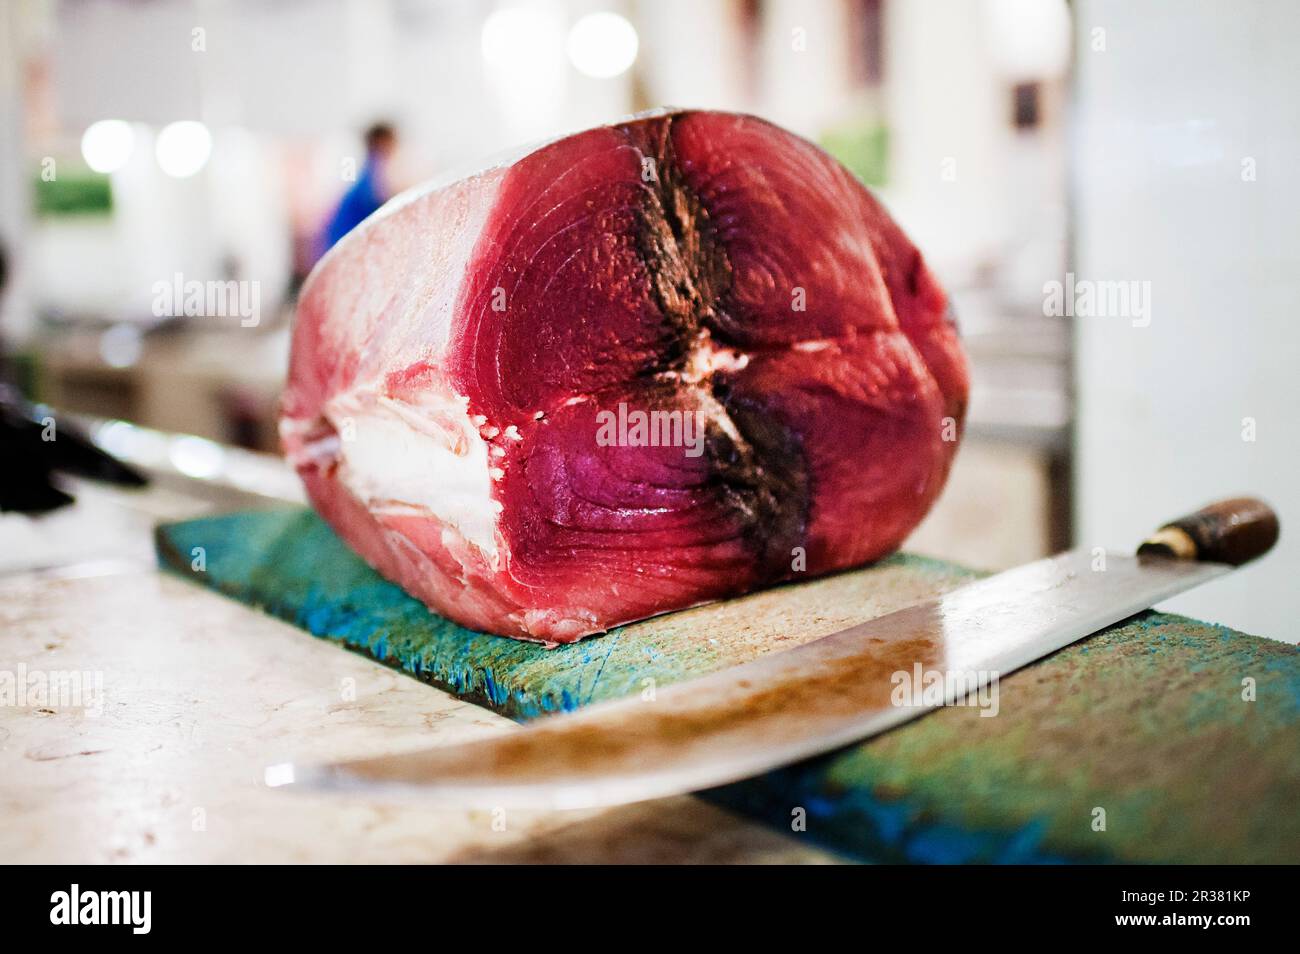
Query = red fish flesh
x=639 y=368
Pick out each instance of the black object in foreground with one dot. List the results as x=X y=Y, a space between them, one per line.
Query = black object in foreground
x=33 y=451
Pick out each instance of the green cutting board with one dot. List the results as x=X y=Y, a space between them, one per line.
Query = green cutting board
x=1159 y=739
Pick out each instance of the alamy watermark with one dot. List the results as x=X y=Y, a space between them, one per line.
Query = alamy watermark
x=925 y=688
x=1089 y=298
x=180 y=298
x=128 y=908
x=638 y=428
x=53 y=689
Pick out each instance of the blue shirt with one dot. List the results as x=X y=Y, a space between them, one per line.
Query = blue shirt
x=357 y=203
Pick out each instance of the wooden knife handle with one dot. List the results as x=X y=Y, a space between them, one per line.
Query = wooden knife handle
x=1230 y=531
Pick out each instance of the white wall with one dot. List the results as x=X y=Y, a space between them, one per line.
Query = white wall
x=1167 y=112
x=948 y=130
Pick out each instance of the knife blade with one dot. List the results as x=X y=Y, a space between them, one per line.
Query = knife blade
x=790 y=705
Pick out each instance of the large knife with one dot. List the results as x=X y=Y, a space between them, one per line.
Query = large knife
x=790 y=705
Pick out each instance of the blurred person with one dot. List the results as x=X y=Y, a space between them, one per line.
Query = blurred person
x=369 y=192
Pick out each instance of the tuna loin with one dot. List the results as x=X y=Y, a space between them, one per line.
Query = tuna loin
x=474 y=367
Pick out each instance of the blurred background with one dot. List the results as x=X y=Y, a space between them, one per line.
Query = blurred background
x=145 y=144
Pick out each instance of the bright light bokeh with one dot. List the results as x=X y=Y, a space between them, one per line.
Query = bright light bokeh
x=1030 y=39
x=514 y=38
x=602 y=45
x=196 y=456
x=183 y=148
x=523 y=55
x=106 y=145
x=121 y=345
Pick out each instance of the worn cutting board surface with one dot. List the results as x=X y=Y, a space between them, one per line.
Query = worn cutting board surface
x=1159 y=739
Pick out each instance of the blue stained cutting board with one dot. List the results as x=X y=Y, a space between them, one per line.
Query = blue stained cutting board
x=1134 y=745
